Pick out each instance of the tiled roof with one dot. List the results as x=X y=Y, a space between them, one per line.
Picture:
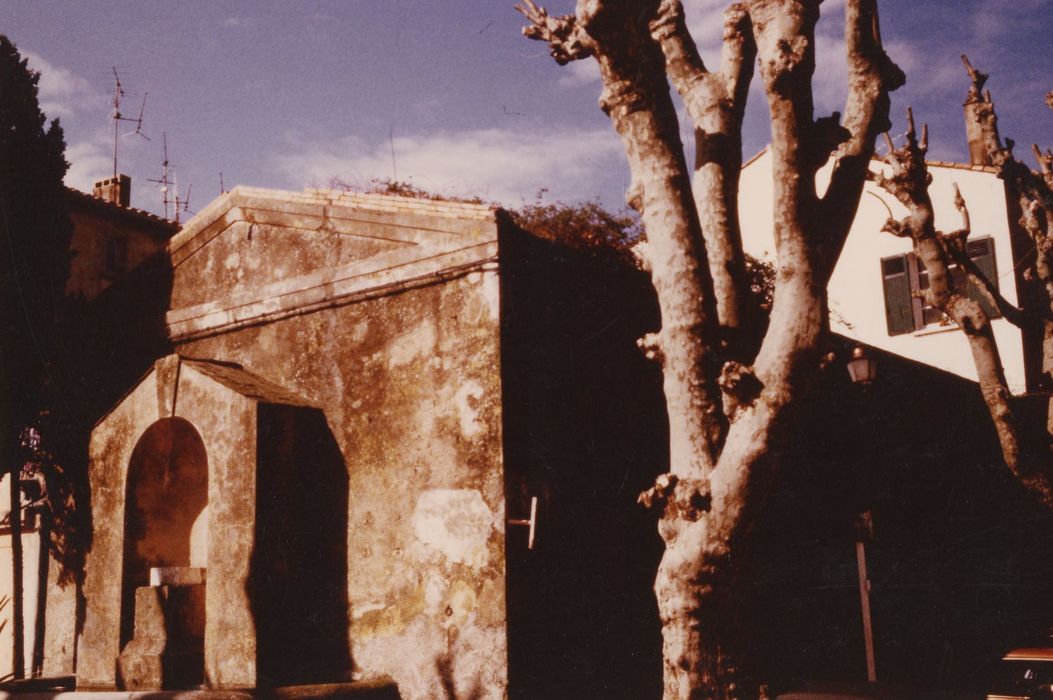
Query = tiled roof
x=117 y=210
x=930 y=163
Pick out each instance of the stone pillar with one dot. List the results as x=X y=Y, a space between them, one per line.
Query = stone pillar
x=167 y=648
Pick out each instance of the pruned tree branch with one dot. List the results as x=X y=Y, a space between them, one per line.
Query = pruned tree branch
x=636 y=98
x=908 y=181
x=955 y=245
x=566 y=40
x=725 y=426
x=872 y=75
x=716 y=104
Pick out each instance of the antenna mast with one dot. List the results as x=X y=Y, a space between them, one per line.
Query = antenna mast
x=168 y=183
x=118 y=93
x=164 y=181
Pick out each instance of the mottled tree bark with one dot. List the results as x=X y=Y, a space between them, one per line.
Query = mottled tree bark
x=715 y=102
x=727 y=411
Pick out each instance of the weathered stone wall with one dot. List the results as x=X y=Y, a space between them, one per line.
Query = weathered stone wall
x=95 y=224
x=384 y=313
x=410 y=385
x=225 y=420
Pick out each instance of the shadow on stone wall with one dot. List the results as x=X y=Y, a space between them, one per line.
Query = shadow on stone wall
x=298 y=573
x=585 y=431
x=109 y=343
x=959 y=563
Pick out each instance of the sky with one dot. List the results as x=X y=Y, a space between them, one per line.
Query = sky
x=445 y=95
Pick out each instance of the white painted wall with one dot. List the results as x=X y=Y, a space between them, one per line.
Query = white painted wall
x=857 y=302
x=30 y=562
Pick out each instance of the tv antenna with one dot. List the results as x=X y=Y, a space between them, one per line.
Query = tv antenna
x=168 y=184
x=118 y=93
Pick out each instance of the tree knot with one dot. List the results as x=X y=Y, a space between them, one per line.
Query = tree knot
x=825 y=136
x=739 y=385
x=566 y=40
x=675 y=498
x=651 y=345
x=781 y=69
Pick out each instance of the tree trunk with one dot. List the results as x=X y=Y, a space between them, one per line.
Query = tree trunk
x=700 y=607
x=726 y=418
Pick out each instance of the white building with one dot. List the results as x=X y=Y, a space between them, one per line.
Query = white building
x=871 y=291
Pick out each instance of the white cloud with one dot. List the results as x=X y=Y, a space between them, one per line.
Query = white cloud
x=705 y=21
x=994 y=21
x=579 y=73
x=62 y=92
x=502 y=165
x=88 y=161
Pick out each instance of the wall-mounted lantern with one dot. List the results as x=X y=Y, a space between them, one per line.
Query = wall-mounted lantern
x=861 y=368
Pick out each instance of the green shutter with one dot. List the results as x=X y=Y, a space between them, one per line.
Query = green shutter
x=982 y=253
x=898 y=312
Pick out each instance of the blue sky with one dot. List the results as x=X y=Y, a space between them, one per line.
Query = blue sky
x=293 y=94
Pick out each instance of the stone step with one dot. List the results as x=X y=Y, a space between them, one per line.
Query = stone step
x=382 y=688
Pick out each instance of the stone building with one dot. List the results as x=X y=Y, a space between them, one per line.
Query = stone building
x=340 y=402
x=110 y=237
x=317 y=480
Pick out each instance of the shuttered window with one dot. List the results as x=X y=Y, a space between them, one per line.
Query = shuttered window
x=903 y=275
x=898 y=313
x=982 y=253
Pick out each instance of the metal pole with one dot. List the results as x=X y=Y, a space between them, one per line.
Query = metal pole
x=864 y=602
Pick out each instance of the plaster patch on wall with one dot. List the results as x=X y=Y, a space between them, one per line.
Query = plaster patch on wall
x=434 y=591
x=360 y=610
x=456 y=523
x=359 y=332
x=468 y=399
x=419 y=342
x=492 y=293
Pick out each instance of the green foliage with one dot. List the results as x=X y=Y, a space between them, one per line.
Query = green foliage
x=401 y=188
x=584 y=226
x=34 y=254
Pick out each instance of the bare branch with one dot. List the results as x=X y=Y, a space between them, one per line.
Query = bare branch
x=738 y=55
x=636 y=98
x=908 y=181
x=981 y=123
x=955 y=245
x=715 y=104
x=959 y=204
x=683 y=64
x=872 y=76
x=566 y=41
x=978 y=79
x=1045 y=160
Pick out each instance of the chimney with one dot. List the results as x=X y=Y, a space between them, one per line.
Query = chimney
x=116 y=189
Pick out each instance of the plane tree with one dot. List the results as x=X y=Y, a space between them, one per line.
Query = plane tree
x=1026 y=450
x=730 y=404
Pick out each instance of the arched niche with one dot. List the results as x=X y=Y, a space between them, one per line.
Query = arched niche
x=166 y=508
